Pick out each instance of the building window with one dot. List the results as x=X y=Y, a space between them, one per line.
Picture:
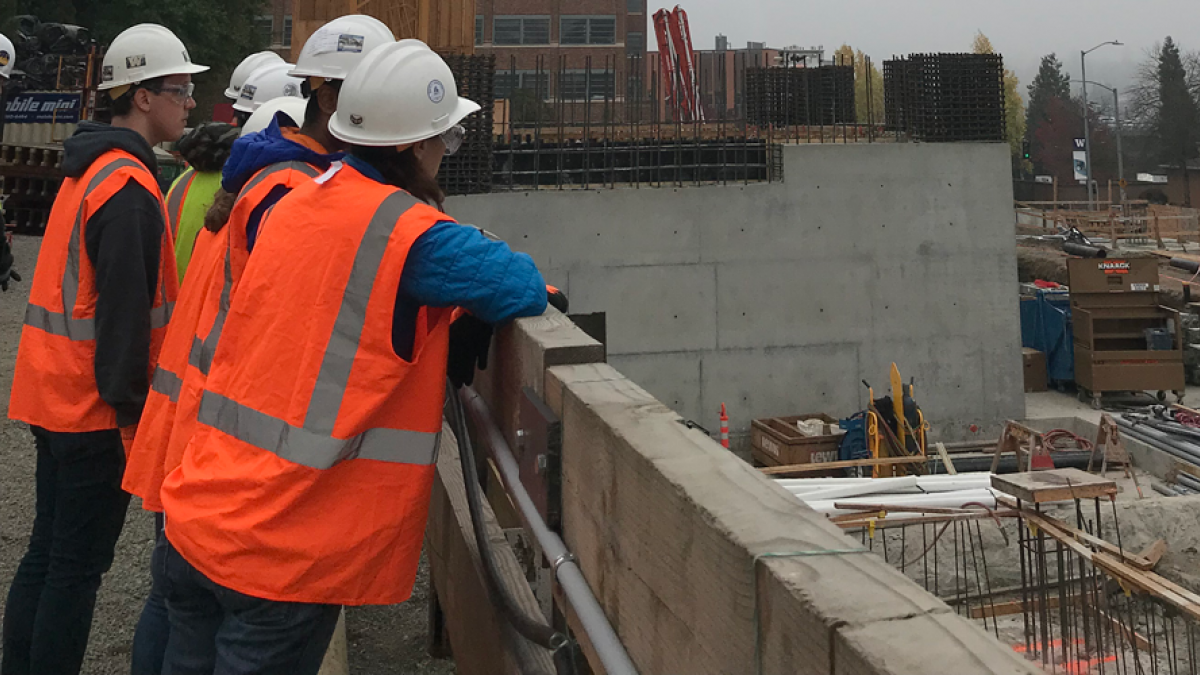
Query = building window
x=287 y=30
x=634 y=6
x=265 y=27
x=580 y=85
x=588 y=30
x=635 y=42
x=478 y=29
x=521 y=30
x=507 y=82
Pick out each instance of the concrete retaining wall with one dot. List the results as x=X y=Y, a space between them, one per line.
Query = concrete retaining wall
x=779 y=298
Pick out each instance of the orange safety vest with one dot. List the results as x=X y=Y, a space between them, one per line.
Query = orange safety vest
x=309 y=476
x=54 y=382
x=176 y=197
x=170 y=414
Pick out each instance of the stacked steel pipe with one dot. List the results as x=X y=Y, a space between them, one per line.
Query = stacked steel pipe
x=1163 y=432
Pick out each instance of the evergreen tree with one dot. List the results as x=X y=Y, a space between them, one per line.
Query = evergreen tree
x=1177 y=128
x=1050 y=84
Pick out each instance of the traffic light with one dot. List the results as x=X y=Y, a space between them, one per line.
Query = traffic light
x=1025 y=152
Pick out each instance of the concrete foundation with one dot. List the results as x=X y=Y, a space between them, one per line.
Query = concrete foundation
x=779 y=298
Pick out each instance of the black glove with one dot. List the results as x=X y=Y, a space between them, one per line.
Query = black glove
x=6 y=264
x=557 y=299
x=469 y=340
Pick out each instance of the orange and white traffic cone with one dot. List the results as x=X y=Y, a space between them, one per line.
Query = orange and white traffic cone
x=724 y=428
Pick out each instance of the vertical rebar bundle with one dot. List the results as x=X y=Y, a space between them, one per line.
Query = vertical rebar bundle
x=469 y=171
x=945 y=98
x=786 y=97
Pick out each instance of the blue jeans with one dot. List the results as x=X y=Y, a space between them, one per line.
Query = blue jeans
x=80 y=513
x=218 y=631
x=153 y=628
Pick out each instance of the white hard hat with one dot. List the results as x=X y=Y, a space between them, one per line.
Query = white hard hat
x=8 y=57
x=246 y=68
x=400 y=94
x=266 y=83
x=144 y=52
x=293 y=108
x=338 y=46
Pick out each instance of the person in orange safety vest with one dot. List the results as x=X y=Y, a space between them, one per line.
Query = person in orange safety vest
x=306 y=485
x=262 y=167
x=100 y=302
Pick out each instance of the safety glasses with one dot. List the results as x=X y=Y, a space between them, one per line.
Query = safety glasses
x=181 y=92
x=452 y=138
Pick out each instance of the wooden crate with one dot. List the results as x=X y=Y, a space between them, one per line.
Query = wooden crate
x=1035 y=370
x=448 y=26
x=775 y=441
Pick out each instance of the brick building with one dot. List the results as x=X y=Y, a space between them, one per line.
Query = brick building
x=275 y=27
x=581 y=47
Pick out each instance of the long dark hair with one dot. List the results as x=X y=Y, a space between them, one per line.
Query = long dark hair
x=219 y=212
x=402 y=169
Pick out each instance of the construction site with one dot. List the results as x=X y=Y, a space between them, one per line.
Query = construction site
x=828 y=399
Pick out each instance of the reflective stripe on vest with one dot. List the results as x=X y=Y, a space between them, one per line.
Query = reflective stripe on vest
x=175 y=200
x=313 y=445
x=63 y=324
x=202 y=352
x=166 y=383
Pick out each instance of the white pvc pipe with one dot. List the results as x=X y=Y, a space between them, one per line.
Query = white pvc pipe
x=940 y=500
x=921 y=480
x=881 y=485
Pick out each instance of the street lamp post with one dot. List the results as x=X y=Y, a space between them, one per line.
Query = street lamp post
x=1120 y=150
x=1087 y=138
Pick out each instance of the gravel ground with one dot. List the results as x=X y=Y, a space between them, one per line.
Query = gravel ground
x=383 y=640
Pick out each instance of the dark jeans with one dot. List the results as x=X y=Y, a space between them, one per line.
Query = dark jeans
x=218 y=631
x=80 y=513
x=153 y=628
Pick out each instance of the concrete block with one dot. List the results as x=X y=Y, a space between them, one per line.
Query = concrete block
x=610 y=228
x=673 y=379
x=801 y=302
x=661 y=308
x=770 y=382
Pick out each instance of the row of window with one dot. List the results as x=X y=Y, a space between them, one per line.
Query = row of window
x=572 y=30
x=574 y=85
x=265 y=25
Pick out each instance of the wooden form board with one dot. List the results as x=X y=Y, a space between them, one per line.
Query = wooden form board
x=448 y=26
x=482 y=643
x=1057 y=485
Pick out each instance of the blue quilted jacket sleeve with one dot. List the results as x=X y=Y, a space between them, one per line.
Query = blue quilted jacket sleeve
x=454 y=265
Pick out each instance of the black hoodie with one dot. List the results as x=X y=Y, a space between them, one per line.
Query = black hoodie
x=123 y=242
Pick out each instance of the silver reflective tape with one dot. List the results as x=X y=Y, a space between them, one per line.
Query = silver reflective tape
x=266 y=173
x=196 y=356
x=166 y=383
x=315 y=450
x=352 y=315
x=57 y=323
x=175 y=201
x=70 y=286
x=160 y=316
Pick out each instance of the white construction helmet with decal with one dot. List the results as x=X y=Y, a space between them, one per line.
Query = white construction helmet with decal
x=267 y=83
x=400 y=94
x=246 y=68
x=294 y=108
x=144 y=52
x=8 y=57
x=338 y=46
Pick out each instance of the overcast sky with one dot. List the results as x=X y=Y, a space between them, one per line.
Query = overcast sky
x=1022 y=30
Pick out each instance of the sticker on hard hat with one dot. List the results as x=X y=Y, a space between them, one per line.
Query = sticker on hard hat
x=107 y=74
x=350 y=43
x=291 y=90
x=136 y=61
x=4 y=58
x=356 y=120
x=248 y=91
x=436 y=91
